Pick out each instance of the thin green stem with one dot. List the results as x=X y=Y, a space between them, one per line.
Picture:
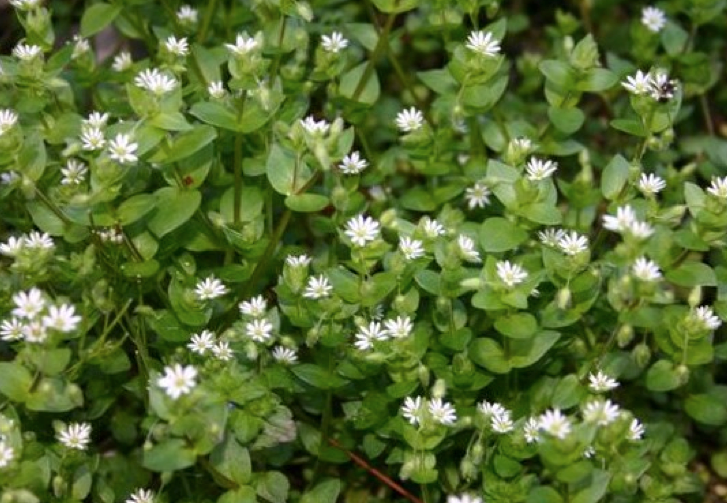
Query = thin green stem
x=707 y=114
x=381 y=45
x=207 y=21
x=51 y=206
x=237 y=169
x=276 y=62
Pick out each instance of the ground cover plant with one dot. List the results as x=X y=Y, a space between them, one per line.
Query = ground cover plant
x=364 y=251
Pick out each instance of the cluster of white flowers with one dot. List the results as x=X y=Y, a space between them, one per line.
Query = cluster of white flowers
x=315 y=128
x=33 y=315
x=298 y=260
x=432 y=229
x=243 y=45
x=206 y=341
x=510 y=274
x=625 y=221
x=600 y=382
x=706 y=318
x=463 y=498
x=418 y=410
x=33 y=241
x=286 y=356
x=75 y=436
x=25 y=5
x=650 y=184
x=187 y=14
x=155 y=81
x=81 y=46
x=572 y=243
x=477 y=196
x=178 y=380
x=646 y=270
x=122 y=149
x=216 y=89
x=7 y=453
x=656 y=84
x=318 y=287
x=110 y=235
x=122 y=62
x=27 y=52
x=397 y=328
x=361 y=230
x=210 y=288
x=500 y=418
x=177 y=46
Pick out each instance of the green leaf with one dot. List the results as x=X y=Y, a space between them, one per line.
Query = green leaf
x=54 y=394
x=566 y=120
x=544 y=494
x=597 y=489
x=396 y=6
x=498 y=235
x=232 y=460
x=186 y=144
x=674 y=38
x=596 y=80
x=244 y=494
x=168 y=456
x=557 y=72
x=517 y=326
x=439 y=80
x=251 y=204
x=707 y=409
x=282 y=173
x=135 y=208
x=526 y=352
x=97 y=17
x=345 y=284
x=307 y=203
x=15 y=381
x=630 y=126
x=174 y=208
x=488 y=353
x=170 y=121
x=542 y=213
x=215 y=114
x=324 y=492
x=364 y=33
x=273 y=487
x=350 y=83
x=614 y=177
x=662 y=377
x=317 y=376
x=691 y=274
x=568 y=393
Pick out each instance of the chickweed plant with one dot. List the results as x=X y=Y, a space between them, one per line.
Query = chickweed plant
x=456 y=251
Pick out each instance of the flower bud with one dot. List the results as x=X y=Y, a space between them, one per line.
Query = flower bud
x=59 y=486
x=625 y=335
x=563 y=298
x=468 y=469
x=682 y=372
x=695 y=297
x=641 y=355
x=423 y=372
x=439 y=389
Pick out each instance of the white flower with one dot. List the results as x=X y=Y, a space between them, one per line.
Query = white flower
x=38 y=241
x=511 y=274
x=531 y=430
x=662 y=87
x=353 y=164
x=13 y=246
x=80 y=47
x=551 y=237
x=600 y=412
x=523 y=143
x=254 y=307
x=155 y=81
x=35 y=332
x=600 y=382
x=366 y=335
x=75 y=436
x=317 y=287
x=334 y=43
x=8 y=119
x=636 y=430
x=377 y=312
x=122 y=149
x=222 y=351
x=95 y=120
x=314 y=127
x=467 y=248
x=7 y=454
x=11 y=330
x=409 y=120
x=242 y=45
x=540 y=170
x=141 y=496
x=28 y=304
x=400 y=327
x=653 y=18
x=412 y=410
x=638 y=84
x=9 y=177
x=442 y=412
x=477 y=196
x=483 y=43
x=623 y=220
x=297 y=260
x=93 y=139
x=210 y=288
x=202 y=342
x=555 y=423
x=412 y=249
x=122 y=61
x=216 y=89
x=491 y=409
x=432 y=228
x=25 y=5
x=502 y=423
x=573 y=243
x=361 y=230
x=646 y=270
x=718 y=187
x=650 y=184
x=187 y=14
x=286 y=356
x=26 y=52
x=63 y=318
x=178 y=380
x=259 y=330
x=177 y=46
x=640 y=230
x=703 y=314
x=589 y=452
x=464 y=498
x=74 y=173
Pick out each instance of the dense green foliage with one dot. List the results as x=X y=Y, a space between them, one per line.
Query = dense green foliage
x=379 y=250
